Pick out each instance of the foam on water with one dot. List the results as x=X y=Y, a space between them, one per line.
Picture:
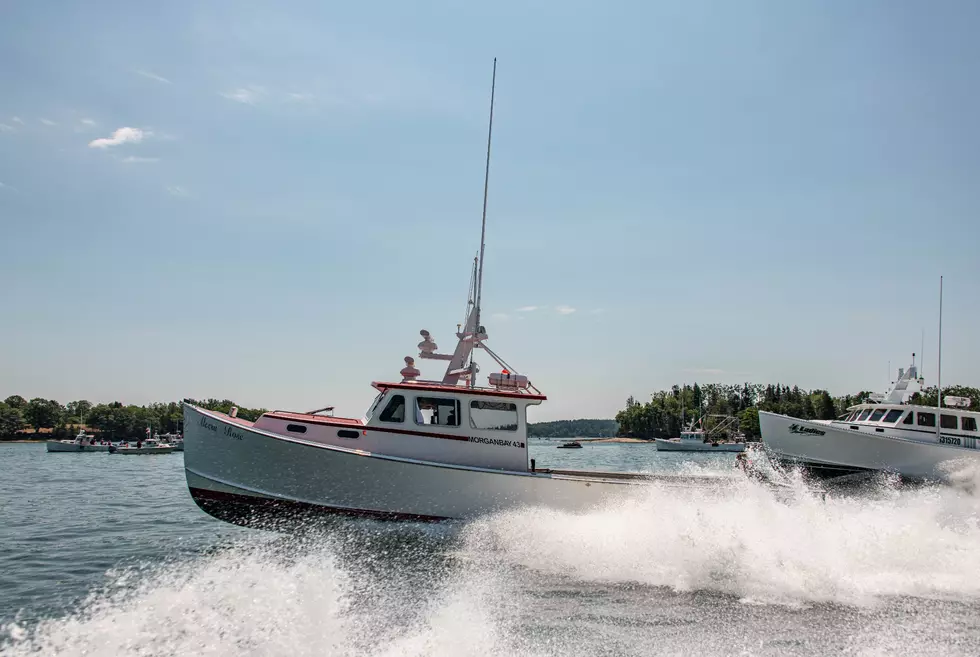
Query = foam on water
x=746 y=541
x=379 y=590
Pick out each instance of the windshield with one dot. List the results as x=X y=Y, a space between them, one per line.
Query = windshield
x=374 y=406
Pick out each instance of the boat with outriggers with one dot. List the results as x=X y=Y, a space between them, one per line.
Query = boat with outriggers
x=698 y=439
x=425 y=450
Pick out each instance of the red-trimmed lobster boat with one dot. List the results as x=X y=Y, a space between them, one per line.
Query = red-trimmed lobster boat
x=425 y=450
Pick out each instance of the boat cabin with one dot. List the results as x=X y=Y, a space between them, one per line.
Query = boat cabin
x=952 y=421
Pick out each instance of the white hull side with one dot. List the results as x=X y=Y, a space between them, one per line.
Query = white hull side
x=58 y=446
x=694 y=446
x=143 y=450
x=837 y=449
x=236 y=461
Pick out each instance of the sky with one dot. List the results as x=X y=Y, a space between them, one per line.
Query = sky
x=267 y=201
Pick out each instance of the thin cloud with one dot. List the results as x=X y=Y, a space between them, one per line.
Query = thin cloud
x=152 y=76
x=500 y=317
x=120 y=136
x=177 y=190
x=135 y=159
x=7 y=128
x=9 y=188
x=88 y=122
x=299 y=97
x=597 y=311
x=527 y=309
x=247 y=95
x=17 y=119
x=47 y=121
x=565 y=310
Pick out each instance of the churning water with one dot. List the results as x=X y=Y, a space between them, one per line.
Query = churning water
x=105 y=555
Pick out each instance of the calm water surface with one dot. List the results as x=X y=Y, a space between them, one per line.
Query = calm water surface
x=108 y=555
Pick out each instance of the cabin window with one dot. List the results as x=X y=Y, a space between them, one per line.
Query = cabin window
x=947 y=421
x=437 y=410
x=374 y=405
x=495 y=416
x=394 y=411
x=909 y=419
x=296 y=428
x=864 y=415
x=893 y=415
x=852 y=416
x=927 y=419
x=877 y=415
x=969 y=423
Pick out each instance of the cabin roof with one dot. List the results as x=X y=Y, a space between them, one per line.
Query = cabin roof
x=429 y=386
x=307 y=417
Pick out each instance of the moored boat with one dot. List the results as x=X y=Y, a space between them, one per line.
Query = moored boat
x=699 y=440
x=82 y=442
x=149 y=446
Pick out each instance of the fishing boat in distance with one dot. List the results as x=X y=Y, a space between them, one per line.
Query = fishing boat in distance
x=83 y=442
x=884 y=434
x=426 y=450
x=700 y=440
x=149 y=446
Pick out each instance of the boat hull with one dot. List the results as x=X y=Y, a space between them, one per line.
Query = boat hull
x=693 y=446
x=59 y=446
x=830 y=450
x=248 y=476
x=143 y=450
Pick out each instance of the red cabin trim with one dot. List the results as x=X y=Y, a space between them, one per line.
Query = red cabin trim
x=437 y=387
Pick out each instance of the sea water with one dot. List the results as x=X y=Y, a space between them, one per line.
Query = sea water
x=107 y=555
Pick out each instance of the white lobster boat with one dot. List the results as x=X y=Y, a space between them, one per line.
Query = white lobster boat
x=696 y=441
x=885 y=434
x=83 y=442
x=425 y=450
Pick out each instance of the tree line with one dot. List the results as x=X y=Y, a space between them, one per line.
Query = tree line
x=573 y=429
x=668 y=411
x=113 y=420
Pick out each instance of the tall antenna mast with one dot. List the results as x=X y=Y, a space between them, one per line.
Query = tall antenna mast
x=486 y=187
x=939 y=361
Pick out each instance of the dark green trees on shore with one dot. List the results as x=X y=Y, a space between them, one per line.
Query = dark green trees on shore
x=112 y=420
x=661 y=416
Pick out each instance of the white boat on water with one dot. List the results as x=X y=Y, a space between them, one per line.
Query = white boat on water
x=83 y=442
x=696 y=440
x=886 y=433
x=425 y=450
x=149 y=446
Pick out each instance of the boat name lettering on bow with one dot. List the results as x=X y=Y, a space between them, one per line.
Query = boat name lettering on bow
x=232 y=433
x=949 y=440
x=796 y=428
x=207 y=425
x=496 y=441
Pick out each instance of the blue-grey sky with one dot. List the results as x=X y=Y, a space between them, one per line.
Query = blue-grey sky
x=267 y=201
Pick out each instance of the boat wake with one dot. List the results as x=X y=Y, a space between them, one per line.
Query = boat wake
x=809 y=575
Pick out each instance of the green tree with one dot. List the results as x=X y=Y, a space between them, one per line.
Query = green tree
x=826 y=410
x=748 y=422
x=43 y=413
x=77 y=410
x=16 y=401
x=11 y=420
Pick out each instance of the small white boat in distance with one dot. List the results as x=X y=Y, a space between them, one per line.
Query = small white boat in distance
x=83 y=442
x=149 y=446
x=696 y=441
x=699 y=440
x=917 y=442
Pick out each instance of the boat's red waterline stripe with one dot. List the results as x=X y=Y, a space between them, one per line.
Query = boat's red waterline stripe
x=292 y=506
x=342 y=425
